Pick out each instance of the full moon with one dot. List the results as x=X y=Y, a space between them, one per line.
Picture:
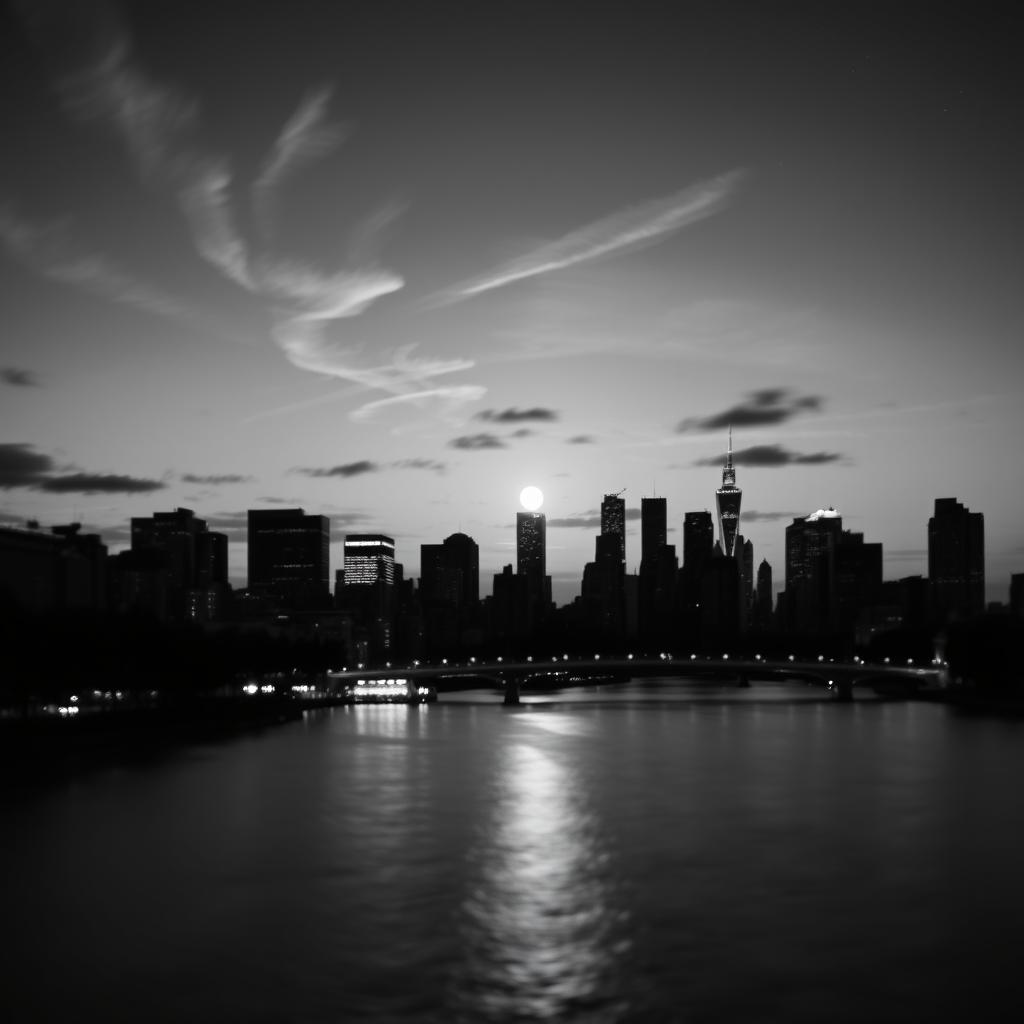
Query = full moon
x=531 y=498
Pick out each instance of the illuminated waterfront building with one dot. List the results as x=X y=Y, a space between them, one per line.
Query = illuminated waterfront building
x=369 y=557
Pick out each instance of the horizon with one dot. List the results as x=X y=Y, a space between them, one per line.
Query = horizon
x=393 y=266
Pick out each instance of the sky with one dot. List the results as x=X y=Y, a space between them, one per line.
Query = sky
x=393 y=262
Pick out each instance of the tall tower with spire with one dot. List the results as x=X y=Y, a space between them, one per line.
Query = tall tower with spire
x=728 y=498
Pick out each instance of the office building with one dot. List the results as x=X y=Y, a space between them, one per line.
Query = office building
x=956 y=560
x=289 y=556
x=531 y=558
x=810 y=571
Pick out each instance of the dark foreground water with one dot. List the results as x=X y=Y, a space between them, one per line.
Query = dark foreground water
x=649 y=852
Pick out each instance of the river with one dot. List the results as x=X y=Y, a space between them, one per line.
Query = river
x=649 y=851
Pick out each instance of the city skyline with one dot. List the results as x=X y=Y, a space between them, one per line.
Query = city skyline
x=393 y=267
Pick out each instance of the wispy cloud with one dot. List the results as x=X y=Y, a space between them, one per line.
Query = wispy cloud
x=589 y=520
x=306 y=137
x=52 y=251
x=18 y=378
x=215 y=479
x=580 y=439
x=446 y=401
x=754 y=516
x=476 y=442
x=431 y=464
x=771 y=455
x=622 y=231
x=765 y=407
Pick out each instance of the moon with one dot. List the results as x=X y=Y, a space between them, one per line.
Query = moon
x=531 y=498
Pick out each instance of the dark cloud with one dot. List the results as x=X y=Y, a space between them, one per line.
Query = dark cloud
x=22 y=466
x=765 y=407
x=514 y=415
x=18 y=378
x=476 y=442
x=580 y=439
x=771 y=455
x=345 y=470
x=522 y=432
x=98 y=483
x=432 y=464
x=215 y=479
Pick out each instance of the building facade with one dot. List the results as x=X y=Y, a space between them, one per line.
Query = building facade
x=289 y=556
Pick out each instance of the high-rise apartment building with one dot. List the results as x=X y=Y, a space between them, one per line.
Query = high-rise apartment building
x=728 y=498
x=289 y=556
x=613 y=521
x=956 y=559
x=531 y=555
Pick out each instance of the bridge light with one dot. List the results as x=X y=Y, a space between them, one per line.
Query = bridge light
x=597 y=657
x=529 y=658
x=693 y=657
x=629 y=657
x=565 y=657
x=821 y=657
x=444 y=661
x=886 y=660
x=725 y=657
x=791 y=657
x=499 y=659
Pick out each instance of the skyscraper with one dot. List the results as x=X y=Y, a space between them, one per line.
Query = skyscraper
x=531 y=555
x=369 y=557
x=653 y=529
x=698 y=541
x=289 y=555
x=613 y=520
x=956 y=559
x=728 y=498
x=810 y=570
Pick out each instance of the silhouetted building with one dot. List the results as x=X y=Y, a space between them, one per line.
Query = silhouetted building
x=194 y=562
x=745 y=557
x=956 y=560
x=721 y=596
x=531 y=559
x=603 y=592
x=763 y=606
x=653 y=528
x=858 y=578
x=60 y=570
x=289 y=556
x=449 y=590
x=728 y=498
x=655 y=591
x=810 y=571
x=1017 y=593
x=511 y=608
x=613 y=521
x=698 y=541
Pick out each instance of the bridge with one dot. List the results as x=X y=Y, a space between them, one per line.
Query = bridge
x=516 y=675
